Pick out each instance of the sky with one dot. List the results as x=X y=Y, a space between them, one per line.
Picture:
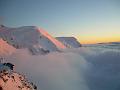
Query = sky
x=90 y=21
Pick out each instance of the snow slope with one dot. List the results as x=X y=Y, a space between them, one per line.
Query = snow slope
x=70 y=42
x=35 y=39
x=5 y=48
x=10 y=80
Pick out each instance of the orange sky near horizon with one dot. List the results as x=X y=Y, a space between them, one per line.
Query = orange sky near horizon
x=100 y=33
x=93 y=40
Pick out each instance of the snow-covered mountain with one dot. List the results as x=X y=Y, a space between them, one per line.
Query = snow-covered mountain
x=91 y=67
x=35 y=39
x=70 y=42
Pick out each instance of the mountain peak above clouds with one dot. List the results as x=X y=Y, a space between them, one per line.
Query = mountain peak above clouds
x=70 y=42
x=35 y=39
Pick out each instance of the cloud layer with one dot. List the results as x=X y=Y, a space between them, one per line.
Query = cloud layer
x=75 y=69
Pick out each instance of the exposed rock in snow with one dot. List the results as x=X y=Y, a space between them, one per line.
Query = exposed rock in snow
x=35 y=39
x=2 y=26
x=10 y=80
x=70 y=42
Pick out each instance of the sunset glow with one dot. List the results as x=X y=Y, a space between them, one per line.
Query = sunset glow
x=99 y=40
x=91 y=21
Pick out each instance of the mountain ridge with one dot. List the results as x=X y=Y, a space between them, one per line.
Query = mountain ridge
x=35 y=39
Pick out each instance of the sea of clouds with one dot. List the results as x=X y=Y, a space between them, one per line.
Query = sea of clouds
x=73 y=69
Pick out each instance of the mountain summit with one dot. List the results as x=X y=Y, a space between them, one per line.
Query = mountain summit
x=70 y=42
x=35 y=39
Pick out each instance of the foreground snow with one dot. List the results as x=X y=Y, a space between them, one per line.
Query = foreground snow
x=73 y=69
x=10 y=80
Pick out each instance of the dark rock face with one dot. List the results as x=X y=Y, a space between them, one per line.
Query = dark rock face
x=11 y=66
x=1 y=88
x=2 y=26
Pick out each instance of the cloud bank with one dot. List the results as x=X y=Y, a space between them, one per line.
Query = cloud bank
x=75 y=69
